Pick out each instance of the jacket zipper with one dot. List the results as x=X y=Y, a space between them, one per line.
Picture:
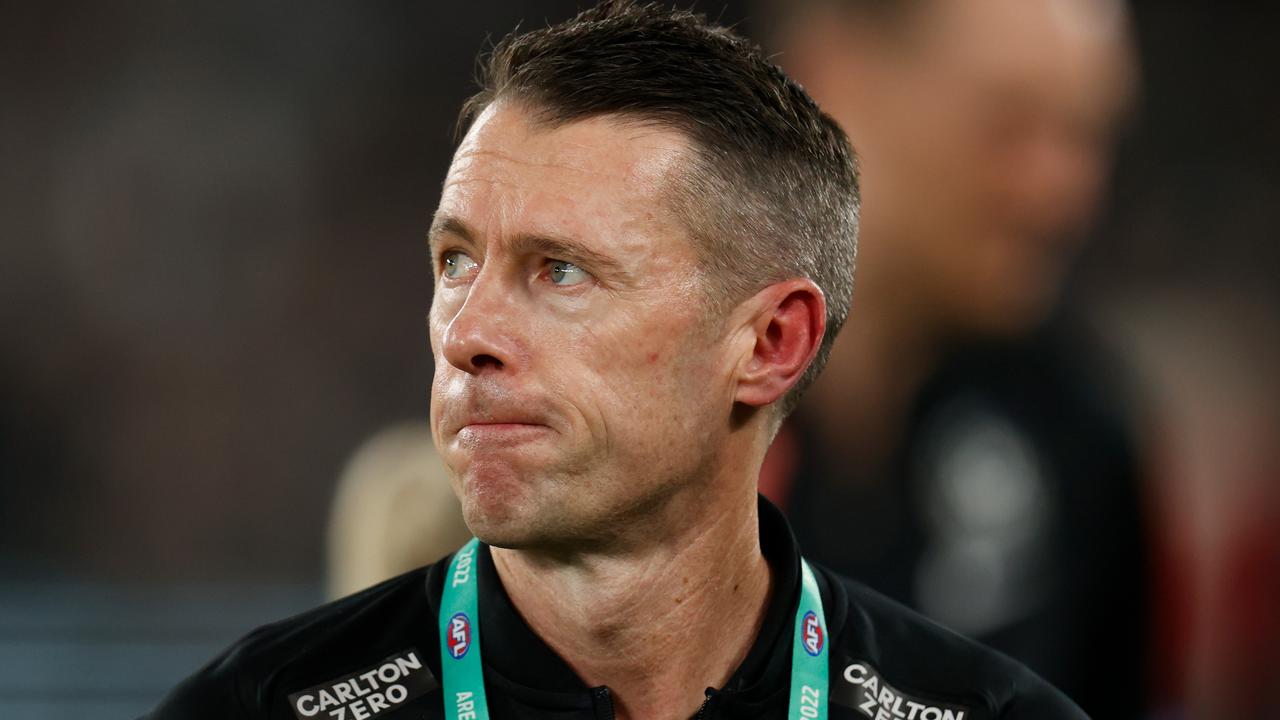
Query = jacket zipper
x=706 y=705
x=603 y=703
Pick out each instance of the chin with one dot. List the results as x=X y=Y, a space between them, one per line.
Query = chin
x=1011 y=305
x=510 y=532
x=494 y=523
x=521 y=522
x=1008 y=321
x=1013 y=284
x=498 y=507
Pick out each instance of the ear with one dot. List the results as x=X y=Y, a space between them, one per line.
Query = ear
x=786 y=321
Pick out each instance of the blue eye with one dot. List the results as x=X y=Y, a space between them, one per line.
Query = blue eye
x=457 y=264
x=566 y=273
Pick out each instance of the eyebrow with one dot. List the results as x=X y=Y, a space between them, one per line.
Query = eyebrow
x=442 y=225
x=554 y=246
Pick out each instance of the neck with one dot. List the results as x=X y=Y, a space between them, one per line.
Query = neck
x=707 y=579
x=878 y=362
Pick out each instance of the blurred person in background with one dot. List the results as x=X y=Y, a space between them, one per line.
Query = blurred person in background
x=1208 y=356
x=964 y=420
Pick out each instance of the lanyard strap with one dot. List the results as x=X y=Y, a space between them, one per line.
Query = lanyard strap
x=809 y=653
x=460 y=639
x=464 y=697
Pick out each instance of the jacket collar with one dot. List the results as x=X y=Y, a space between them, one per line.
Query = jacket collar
x=523 y=664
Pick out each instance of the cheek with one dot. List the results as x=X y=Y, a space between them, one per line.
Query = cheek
x=443 y=308
x=657 y=374
x=439 y=401
x=642 y=353
x=442 y=371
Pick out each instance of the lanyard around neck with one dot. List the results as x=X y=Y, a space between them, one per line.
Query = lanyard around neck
x=463 y=673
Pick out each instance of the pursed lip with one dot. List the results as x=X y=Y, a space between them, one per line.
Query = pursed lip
x=487 y=420
x=502 y=432
x=484 y=410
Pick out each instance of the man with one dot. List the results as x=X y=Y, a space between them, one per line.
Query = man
x=973 y=433
x=642 y=242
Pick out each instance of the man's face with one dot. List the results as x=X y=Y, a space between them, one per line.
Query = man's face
x=986 y=144
x=578 y=377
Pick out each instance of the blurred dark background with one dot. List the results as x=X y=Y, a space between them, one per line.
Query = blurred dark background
x=213 y=287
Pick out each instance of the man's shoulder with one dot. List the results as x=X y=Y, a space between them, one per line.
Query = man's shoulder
x=890 y=656
x=306 y=649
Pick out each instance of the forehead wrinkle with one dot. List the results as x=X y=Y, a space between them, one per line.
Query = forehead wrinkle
x=644 y=179
x=531 y=134
x=470 y=157
x=455 y=205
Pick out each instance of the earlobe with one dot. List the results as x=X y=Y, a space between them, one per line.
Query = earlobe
x=787 y=328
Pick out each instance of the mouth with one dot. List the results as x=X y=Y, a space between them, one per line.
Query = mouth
x=473 y=413
x=500 y=433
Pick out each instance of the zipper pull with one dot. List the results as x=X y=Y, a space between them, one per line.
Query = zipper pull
x=603 y=700
x=708 y=704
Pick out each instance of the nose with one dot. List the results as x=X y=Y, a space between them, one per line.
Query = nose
x=481 y=335
x=1061 y=180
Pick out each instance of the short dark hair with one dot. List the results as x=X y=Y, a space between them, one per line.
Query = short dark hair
x=772 y=187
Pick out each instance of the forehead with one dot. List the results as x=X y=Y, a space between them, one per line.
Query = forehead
x=1072 y=53
x=598 y=176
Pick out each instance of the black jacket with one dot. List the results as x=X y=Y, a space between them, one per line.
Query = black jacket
x=376 y=654
x=1050 y=565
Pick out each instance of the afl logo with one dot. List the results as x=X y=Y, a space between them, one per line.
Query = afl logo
x=812 y=637
x=459 y=635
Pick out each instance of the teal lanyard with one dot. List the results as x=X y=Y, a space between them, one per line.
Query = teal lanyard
x=460 y=639
x=463 y=673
